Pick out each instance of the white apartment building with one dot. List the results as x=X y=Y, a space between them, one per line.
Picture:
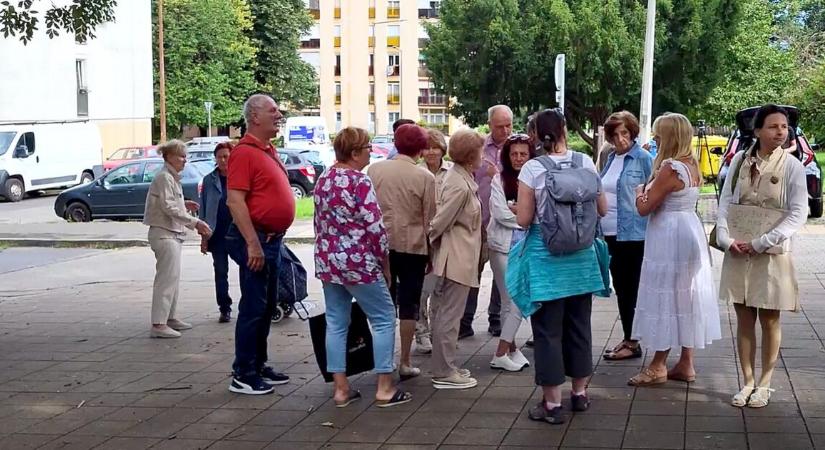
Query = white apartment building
x=107 y=80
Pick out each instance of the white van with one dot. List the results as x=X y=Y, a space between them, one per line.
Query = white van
x=309 y=133
x=36 y=156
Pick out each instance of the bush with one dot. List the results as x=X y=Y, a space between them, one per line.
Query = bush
x=575 y=142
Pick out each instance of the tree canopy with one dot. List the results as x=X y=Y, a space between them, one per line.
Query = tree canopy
x=503 y=51
x=209 y=57
x=81 y=17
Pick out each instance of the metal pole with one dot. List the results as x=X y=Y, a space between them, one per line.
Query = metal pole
x=400 y=82
x=560 y=80
x=161 y=75
x=208 y=106
x=646 y=110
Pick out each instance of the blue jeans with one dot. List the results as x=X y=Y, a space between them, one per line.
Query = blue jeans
x=258 y=300
x=374 y=299
x=220 y=262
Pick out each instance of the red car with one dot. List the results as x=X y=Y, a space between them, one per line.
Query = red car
x=126 y=154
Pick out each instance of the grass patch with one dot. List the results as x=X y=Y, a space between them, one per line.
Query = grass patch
x=820 y=157
x=304 y=208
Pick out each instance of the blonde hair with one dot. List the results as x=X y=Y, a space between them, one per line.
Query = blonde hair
x=675 y=134
x=348 y=141
x=175 y=147
x=465 y=146
x=435 y=139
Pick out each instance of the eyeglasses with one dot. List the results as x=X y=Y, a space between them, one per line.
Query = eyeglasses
x=517 y=138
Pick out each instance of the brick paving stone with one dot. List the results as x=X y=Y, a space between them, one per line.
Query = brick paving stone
x=533 y=438
x=653 y=439
x=416 y=435
x=127 y=443
x=476 y=436
x=213 y=431
x=771 y=441
x=715 y=440
x=715 y=424
x=24 y=441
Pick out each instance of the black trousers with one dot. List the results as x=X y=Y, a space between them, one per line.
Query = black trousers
x=562 y=339
x=625 y=269
x=407 y=272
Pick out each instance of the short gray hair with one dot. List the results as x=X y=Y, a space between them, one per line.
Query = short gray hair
x=173 y=147
x=494 y=109
x=252 y=103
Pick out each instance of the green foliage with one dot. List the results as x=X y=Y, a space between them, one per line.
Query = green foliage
x=80 y=17
x=278 y=26
x=485 y=52
x=209 y=57
x=757 y=71
x=304 y=208
x=810 y=98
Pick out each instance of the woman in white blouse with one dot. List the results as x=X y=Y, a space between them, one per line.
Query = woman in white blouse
x=758 y=274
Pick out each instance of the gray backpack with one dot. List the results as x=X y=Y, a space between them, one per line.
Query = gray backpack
x=568 y=215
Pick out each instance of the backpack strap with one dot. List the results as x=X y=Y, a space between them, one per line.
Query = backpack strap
x=578 y=159
x=547 y=162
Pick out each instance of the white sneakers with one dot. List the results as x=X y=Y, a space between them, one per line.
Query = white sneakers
x=171 y=330
x=407 y=372
x=513 y=362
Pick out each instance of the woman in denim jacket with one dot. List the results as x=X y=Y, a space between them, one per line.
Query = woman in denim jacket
x=627 y=167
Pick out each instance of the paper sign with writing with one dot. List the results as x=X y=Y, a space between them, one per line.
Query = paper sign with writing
x=746 y=223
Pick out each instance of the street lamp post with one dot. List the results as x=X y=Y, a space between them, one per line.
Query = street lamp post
x=646 y=109
x=208 y=106
x=161 y=75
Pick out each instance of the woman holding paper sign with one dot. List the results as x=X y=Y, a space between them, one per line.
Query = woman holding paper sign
x=762 y=205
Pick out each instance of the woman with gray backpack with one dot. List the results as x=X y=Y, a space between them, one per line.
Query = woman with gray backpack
x=554 y=271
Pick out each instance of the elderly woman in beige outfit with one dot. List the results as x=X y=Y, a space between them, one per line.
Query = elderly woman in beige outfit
x=758 y=274
x=168 y=217
x=455 y=236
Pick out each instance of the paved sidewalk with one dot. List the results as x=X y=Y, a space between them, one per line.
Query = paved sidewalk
x=109 y=234
x=77 y=370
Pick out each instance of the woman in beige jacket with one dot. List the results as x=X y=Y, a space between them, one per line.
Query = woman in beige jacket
x=455 y=236
x=167 y=217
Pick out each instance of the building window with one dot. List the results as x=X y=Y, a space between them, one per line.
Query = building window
x=423 y=72
x=337 y=33
x=371 y=122
x=337 y=65
x=371 y=37
x=372 y=9
x=82 y=88
x=337 y=93
x=337 y=11
x=372 y=65
x=394 y=36
x=313 y=38
x=314 y=7
x=372 y=93
x=393 y=65
x=338 y=124
x=393 y=116
x=394 y=93
x=428 y=9
x=429 y=96
x=423 y=37
x=434 y=116
x=313 y=59
x=393 y=9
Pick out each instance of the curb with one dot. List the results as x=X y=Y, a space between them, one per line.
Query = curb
x=108 y=244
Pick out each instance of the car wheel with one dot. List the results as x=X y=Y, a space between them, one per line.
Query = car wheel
x=78 y=212
x=815 y=205
x=86 y=178
x=14 y=190
x=298 y=191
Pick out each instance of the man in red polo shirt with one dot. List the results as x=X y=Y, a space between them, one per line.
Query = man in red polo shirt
x=263 y=207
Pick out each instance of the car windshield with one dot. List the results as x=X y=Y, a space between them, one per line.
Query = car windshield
x=312 y=156
x=202 y=167
x=118 y=154
x=5 y=140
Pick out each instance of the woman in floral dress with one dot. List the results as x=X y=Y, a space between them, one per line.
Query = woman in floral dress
x=351 y=253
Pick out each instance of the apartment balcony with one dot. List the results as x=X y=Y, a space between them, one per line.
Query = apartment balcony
x=432 y=100
x=394 y=71
x=372 y=99
x=336 y=13
x=393 y=13
x=337 y=71
x=315 y=13
x=371 y=71
x=371 y=41
x=337 y=41
x=428 y=13
x=311 y=43
x=422 y=42
x=393 y=99
x=372 y=13
x=337 y=99
x=393 y=41
x=423 y=72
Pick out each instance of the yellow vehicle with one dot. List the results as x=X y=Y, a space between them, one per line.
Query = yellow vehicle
x=709 y=163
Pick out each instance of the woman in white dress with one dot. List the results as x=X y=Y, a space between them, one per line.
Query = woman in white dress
x=677 y=303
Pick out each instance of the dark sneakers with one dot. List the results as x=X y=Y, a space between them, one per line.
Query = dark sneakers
x=579 y=403
x=273 y=378
x=542 y=414
x=465 y=333
x=254 y=385
x=225 y=317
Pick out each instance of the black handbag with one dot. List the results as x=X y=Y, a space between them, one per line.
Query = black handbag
x=292 y=278
x=359 y=343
